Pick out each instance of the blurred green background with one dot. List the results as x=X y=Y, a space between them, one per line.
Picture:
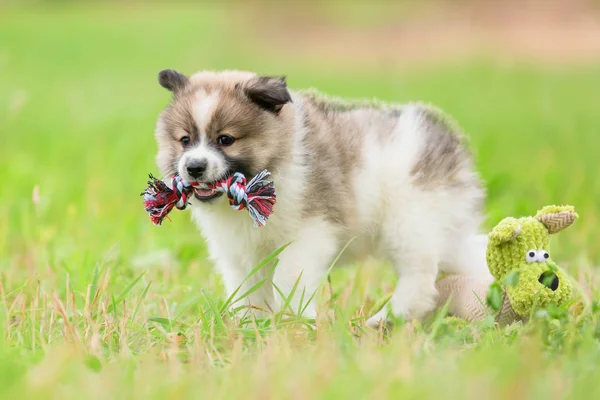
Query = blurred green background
x=78 y=102
x=79 y=99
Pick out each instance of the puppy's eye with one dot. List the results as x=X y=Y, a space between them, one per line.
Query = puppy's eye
x=225 y=140
x=542 y=256
x=185 y=140
x=531 y=256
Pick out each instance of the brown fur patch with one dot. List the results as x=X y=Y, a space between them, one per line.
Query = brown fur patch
x=443 y=155
x=333 y=143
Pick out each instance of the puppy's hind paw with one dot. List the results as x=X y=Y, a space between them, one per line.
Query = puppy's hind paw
x=379 y=320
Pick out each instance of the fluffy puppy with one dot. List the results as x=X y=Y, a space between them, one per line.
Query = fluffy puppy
x=399 y=180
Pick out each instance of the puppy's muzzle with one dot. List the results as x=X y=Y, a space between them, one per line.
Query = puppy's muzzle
x=196 y=168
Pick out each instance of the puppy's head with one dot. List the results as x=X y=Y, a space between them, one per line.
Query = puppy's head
x=221 y=123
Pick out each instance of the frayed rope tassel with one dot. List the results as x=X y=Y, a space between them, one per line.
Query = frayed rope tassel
x=258 y=195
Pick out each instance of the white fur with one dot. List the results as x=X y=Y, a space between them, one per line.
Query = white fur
x=417 y=230
x=203 y=109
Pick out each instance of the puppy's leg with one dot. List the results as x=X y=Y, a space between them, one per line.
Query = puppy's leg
x=415 y=293
x=235 y=275
x=305 y=262
x=412 y=239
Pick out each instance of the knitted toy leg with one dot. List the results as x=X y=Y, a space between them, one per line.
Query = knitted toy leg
x=466 y=296
x=466 y=299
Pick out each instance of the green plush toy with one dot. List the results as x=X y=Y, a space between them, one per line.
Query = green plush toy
x=523 y=274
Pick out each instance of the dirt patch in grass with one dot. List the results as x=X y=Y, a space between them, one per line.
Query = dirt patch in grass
x=405 y=32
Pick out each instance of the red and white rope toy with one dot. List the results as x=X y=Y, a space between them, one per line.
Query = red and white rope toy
x=258 y=195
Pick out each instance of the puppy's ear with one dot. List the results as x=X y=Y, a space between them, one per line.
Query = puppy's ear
x=172 y=80
x=269 y=93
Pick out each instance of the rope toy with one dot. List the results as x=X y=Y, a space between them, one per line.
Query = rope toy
x=523 y=274
x=258 y=195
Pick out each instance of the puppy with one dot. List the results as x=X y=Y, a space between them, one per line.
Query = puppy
x=398 y=180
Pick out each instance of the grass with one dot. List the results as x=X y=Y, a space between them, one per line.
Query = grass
x=95 y=302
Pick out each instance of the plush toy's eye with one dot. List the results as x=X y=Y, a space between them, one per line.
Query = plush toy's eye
x=542 y=256
x=531 y=256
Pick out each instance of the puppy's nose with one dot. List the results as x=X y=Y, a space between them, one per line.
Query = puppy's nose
x=549 y=279
x=196 y=168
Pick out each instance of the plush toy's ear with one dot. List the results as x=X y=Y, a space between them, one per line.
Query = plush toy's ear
x=557 y=218
x=508 y=229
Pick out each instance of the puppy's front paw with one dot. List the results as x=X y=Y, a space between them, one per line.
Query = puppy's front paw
x=380 y=319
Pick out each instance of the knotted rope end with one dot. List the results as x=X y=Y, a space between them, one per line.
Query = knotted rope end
x=258 y=196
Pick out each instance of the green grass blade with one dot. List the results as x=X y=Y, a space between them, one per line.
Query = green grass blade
x=216 y=314
x=165 y=322
x=183 y=308
x=287 y=299
x=140 y=300
x=251 y=290
x=94 y=285
x=125 y=291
